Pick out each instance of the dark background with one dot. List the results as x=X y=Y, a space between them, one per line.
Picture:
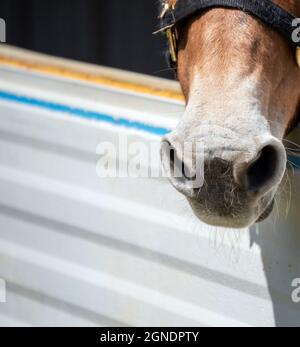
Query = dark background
x=116 y=33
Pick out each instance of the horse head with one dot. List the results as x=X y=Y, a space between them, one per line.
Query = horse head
x=241 y=83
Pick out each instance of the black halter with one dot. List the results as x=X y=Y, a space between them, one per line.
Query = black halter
x=268 y=12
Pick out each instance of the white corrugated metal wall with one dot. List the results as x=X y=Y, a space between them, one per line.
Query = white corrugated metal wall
x=79 y=250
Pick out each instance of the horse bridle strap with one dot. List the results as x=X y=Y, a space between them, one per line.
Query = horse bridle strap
x=268 y=12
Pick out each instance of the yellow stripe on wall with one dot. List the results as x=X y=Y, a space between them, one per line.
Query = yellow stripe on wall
x=86 y=77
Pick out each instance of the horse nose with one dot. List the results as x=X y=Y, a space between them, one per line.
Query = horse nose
x=265 y=171
x=254 y=173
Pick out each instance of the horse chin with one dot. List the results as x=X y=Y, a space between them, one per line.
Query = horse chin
x=244 y=218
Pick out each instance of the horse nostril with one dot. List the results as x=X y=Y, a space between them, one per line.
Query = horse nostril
x=265 y=170
x=172 y=163
x=181 y=175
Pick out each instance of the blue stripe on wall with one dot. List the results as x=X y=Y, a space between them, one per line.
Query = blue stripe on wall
x=91 y=115
x=295 y=161
x=84 y=114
